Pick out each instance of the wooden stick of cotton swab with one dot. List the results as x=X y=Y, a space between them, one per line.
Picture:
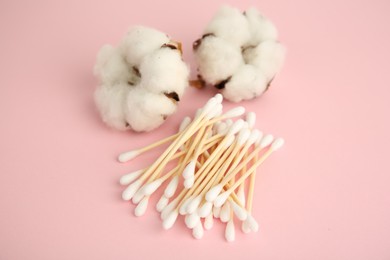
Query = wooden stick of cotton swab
x=127 y=156
x=217 y=186
x=170 y=213
x=250 y=223
x=211 y=109
x=242 y=138
x=277 y=144
x=172 y=186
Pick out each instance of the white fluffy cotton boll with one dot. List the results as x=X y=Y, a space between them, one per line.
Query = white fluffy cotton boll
x=247 y=83
x=139 y=42
x=261 y=28
x=145 y=110
x=230 y=24
x=268 y=57
x=110 y=66
x=110 y=101
x=217 y=59
x=163 y=71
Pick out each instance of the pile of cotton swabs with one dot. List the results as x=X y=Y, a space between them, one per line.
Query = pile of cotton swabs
x=217 y=160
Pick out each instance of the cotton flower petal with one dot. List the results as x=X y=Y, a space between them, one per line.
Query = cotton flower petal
x=231 y=25
x=247 y=83
x=163 y=71
x=141 y=41
x=110 y=101
x=145 y=110
x=218 y=59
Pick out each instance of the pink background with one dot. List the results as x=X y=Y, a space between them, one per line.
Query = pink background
x=325 y=195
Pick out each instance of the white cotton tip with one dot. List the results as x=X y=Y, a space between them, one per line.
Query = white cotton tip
x=229 y=140
x=220 y=200
x=221 y=128
x=189 y=170
x=170 y=220
x=245 y=227
x=225 y=213
x=162 y=203
x=130 y=177
x=266 y=140
x=167 y=210
x=209 y=106
x=230 y=233
x=205 y=209
x=243 y=136
x=149 y=188
x=217 y=111
x=229 y=122
x=127 y=156
x=198 y=112
x=198 y=231
x=191 y=220
x=254 y=136
x=138 y=196
x=216 y=212
x=235 y=112
x=241 y=213
x=236 y=127
x=246 y=125
x=194 y=204
x=189 y=182
x=183 y=207
x=209 y=222
x=241 y=196
x=252 y=223
x=251 y=119
x=171 y=187
x=129 y=192
x=277 y=144
x=213 y=193
x=141 y=207
x=186 y=121
x=219 y=98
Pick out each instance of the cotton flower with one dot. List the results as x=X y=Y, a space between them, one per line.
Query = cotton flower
x=140 y=81
x=239 y=53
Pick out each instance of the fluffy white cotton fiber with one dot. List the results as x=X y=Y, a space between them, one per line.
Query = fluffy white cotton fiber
x=218 y=59
x=230 y=25
x=147 y=110
x=139 y=42
x=239 y=53
x=159 y=70
x=141 y=80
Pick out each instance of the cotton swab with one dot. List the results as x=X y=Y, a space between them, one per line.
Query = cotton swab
x=216 y=157
x=127 y=156
x=275 y=146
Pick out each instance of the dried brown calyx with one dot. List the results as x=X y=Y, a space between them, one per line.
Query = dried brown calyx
x=198 y=83
x=135 y=76
x=221 y=85
x=198 y=42
x=173 y=96
x=135 y=79
x=174 y=45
